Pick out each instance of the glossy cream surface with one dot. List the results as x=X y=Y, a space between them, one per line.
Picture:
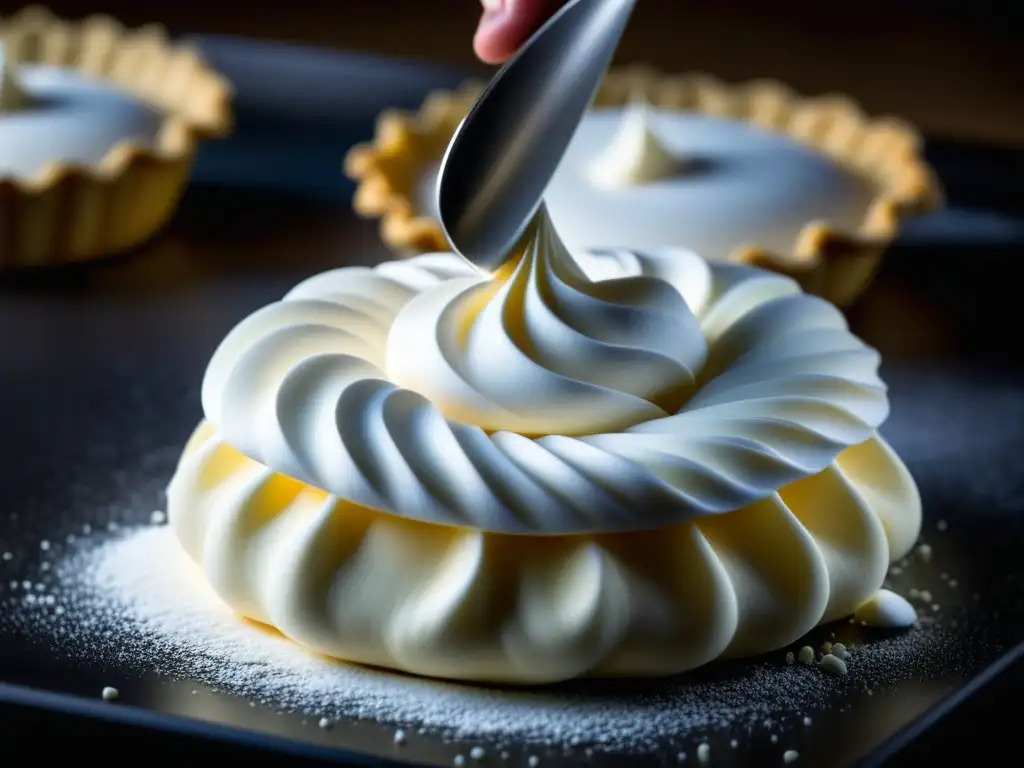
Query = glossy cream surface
x=365 y=586
x=612 y=463
x=625 y=390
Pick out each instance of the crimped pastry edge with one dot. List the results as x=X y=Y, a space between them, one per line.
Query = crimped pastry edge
x=832 y=263
x=72 y=212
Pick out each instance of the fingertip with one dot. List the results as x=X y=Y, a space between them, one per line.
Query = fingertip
x=488 y=48
x=503 y=30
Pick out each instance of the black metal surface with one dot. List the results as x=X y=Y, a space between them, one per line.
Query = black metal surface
x=100 y=372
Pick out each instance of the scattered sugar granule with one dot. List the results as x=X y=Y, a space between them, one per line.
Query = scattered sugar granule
x=399 y=737
x=704 y=753
x=110 y=693
x=477 y=753
x=790 y=756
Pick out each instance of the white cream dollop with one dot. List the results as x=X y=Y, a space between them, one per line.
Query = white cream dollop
x=548 y=350
x=306 y=387
x=636 y=155
x=738 y=185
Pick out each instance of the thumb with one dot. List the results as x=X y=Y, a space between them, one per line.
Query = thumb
x=507 y=24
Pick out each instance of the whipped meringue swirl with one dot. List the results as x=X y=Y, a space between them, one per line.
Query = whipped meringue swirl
x=546 y=350
x=607 y=392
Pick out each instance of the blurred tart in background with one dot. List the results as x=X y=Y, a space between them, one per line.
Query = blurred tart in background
x=99 y=126
x=750 y=173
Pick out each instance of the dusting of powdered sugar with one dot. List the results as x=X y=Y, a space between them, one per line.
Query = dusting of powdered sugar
x=134 y=599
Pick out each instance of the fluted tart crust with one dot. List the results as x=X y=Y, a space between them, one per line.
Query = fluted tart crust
x=72 y=212
x=827 y=261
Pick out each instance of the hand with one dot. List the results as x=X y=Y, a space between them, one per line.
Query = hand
x=507 y=24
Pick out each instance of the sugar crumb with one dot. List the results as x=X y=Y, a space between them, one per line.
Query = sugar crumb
x=833 y=665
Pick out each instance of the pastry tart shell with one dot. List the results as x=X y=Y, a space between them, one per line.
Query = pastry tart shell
x=73 y=213
x=835 y=264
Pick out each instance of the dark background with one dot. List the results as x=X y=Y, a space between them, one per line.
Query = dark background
x=955 y=69
x=952 y=67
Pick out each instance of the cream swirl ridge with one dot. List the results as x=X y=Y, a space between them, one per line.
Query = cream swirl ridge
x=350 y=582
x=548 y=350
x=304 y=386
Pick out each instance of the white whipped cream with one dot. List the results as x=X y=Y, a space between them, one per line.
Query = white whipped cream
x=738 y=185
x=365 y=586
x=307 y=387
x=732 y=185
x=706 y=433
x=50 y=115
x=636 y=155
x=548 y=351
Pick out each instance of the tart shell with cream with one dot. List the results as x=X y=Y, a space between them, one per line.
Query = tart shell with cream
x=99 y=127
x=615 y=463
x=809 y=187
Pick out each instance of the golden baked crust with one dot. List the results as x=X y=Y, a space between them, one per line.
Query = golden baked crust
x=835 y=264
x=71 y=213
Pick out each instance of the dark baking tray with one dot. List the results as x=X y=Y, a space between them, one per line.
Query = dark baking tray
x=112 y=356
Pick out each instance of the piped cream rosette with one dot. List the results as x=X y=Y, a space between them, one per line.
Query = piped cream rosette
x=619 y=464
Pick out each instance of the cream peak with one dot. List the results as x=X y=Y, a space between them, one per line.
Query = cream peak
x=636 y=155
